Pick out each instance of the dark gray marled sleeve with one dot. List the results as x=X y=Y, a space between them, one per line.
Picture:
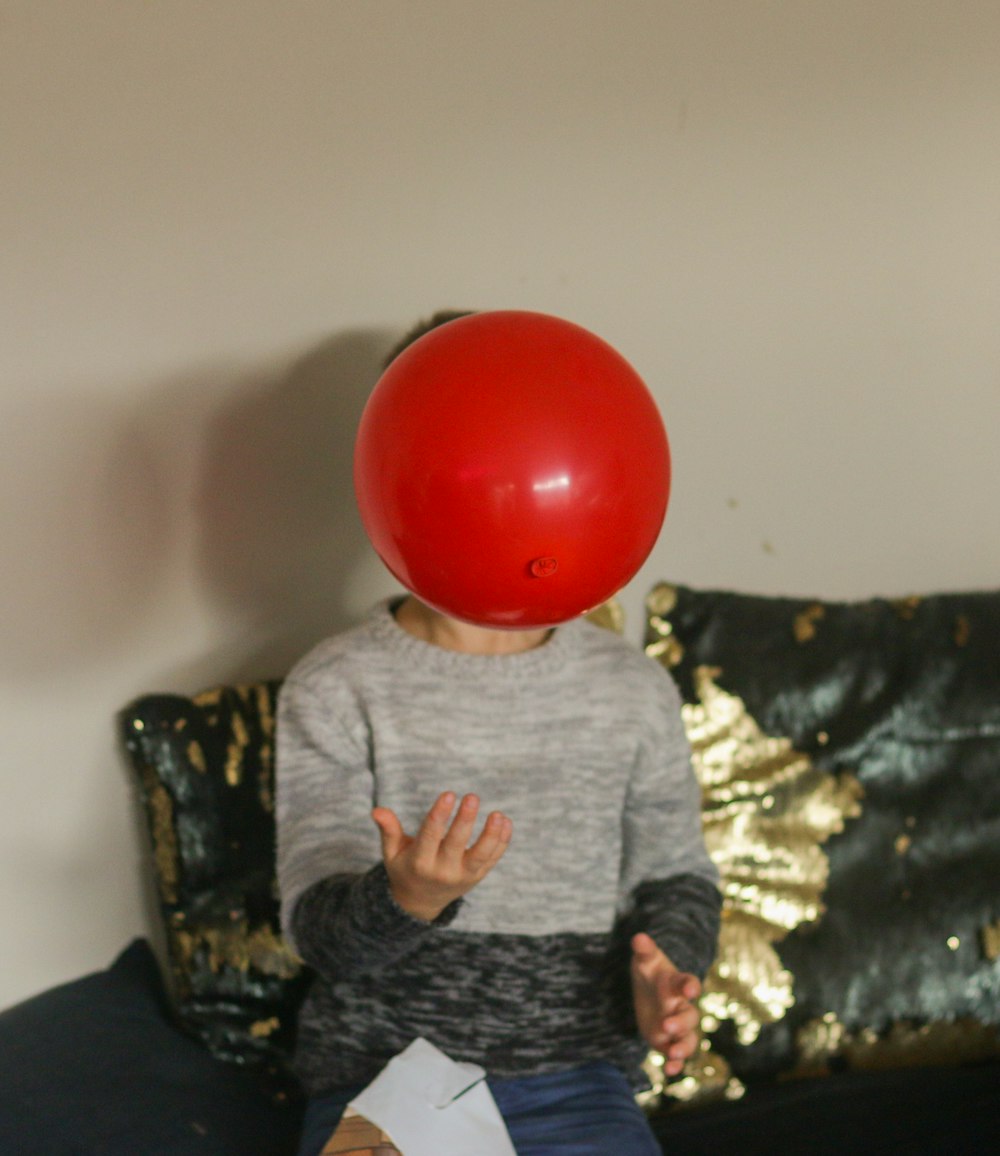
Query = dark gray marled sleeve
x=682 y=915
x=348 y=925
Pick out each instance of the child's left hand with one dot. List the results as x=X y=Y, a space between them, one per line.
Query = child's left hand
x=665 y=1003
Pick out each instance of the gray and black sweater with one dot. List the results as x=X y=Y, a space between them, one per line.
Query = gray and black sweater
x=581 y=743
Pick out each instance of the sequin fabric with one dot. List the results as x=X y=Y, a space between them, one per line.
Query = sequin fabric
x=204 y=768
x=849 y=755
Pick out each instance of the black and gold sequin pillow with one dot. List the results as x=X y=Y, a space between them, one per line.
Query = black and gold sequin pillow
x=206 y=778
x=849 y=755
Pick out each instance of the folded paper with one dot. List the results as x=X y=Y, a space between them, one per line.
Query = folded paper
x=430 y=1104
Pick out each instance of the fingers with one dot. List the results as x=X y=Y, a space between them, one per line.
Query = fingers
x=678 y=1027
x=653 y=964
x=436 y=836
x=673 y=1067
x=493 y=841
x=647 y=955
x=678 y=1052
x=435 y=822
x=443 y=846
x=437 y=866
x=644 y=949
x=665 y=1002
x=427 y=842
x=679 y=1030
x=682 y=986
x=672 y=998
x=678 y=1043
x=390 y=832
x=457 y=838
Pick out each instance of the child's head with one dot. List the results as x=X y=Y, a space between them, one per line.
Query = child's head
x=441 y=317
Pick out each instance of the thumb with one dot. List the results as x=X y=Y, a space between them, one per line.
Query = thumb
x=390 y=831
x=644 y=948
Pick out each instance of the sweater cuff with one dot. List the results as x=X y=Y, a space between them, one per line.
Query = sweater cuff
x=351 y=923
x=682 y=915
x=381 y=899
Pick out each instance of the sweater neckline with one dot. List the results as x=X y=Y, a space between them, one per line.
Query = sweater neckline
x=549 y=656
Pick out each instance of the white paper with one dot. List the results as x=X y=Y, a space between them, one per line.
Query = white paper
x=430 y=1106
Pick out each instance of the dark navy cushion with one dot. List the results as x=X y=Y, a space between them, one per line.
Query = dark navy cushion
x=97 y=1067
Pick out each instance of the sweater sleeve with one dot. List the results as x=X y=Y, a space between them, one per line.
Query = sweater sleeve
x=669 y=879
x=347 y=925
x=337 y=910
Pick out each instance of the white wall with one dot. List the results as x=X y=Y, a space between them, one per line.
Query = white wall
x=215 y=218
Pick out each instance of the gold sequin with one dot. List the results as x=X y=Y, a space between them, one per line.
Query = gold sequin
x=990 y=936
x=265 y=781
x=905 y=1044
x=665 y=647
x=610 y=615
x=160 y=807
x=804 y=626
x=766 y=811
x=963 y=629
x=239 y=948
x=265 y=711
x=706 y=1078
x=652 y=1066
x=662 y=599
x=938 y=1043
x=196 y=757
x=816 y=1043
x=902 y=844
x=907 y=608
x=234 y=751
x=261 y=1029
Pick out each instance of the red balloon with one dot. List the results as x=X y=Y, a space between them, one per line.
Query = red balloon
x=512 y=469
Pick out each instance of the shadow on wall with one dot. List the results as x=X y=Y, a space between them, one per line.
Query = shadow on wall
x=105 y=495
x=280 y=542
x=219 y=503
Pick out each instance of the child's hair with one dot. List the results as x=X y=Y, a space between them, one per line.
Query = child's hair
x=442 y=317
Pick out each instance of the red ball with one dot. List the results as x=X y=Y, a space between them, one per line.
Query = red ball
x=512 y=469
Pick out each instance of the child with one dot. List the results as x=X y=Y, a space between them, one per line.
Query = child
x=551 y=944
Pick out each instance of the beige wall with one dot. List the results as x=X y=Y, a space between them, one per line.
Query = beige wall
x=215 y=217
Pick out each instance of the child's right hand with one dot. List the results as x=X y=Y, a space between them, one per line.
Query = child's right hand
x=437 y=866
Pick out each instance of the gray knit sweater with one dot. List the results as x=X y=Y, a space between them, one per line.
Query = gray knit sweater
x=580 y=742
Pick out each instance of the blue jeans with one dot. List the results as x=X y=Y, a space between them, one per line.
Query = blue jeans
x=587 y=1111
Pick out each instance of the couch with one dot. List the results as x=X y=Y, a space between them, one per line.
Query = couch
x=849 y=756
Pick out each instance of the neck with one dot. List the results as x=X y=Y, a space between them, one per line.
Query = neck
x=450 y=634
